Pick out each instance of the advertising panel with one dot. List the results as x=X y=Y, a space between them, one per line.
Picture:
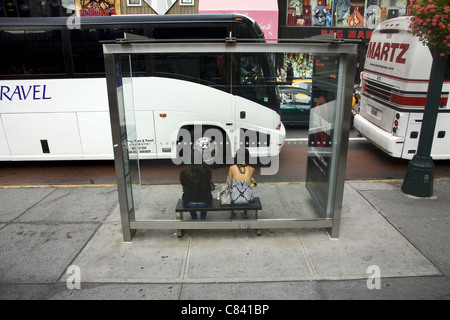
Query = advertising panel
x=321 y=129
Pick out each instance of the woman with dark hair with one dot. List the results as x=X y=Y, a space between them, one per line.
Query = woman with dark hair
x=197 y=184
x=240 y=177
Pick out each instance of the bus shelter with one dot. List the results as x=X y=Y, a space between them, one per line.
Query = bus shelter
x=139 y=74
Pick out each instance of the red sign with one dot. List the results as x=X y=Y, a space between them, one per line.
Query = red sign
x=349 y=33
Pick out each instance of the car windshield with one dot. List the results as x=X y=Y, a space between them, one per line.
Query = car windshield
x=291 y=95
x=307 y=85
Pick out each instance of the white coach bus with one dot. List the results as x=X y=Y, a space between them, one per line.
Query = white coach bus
x=394 y=90
x=53 y=96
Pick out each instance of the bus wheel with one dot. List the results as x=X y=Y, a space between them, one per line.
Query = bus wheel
x=213 y=144
x=211 y=141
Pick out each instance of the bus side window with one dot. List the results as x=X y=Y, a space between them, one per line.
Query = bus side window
x=251 y=80
x=31 y=52
x=204 y=68
x=87 y=51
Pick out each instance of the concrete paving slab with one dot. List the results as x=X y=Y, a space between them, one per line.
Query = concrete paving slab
x=295 y=200
x=16 y=201
x=114 y=291
x=114 y=216
x=240 y=256
x=430 y=235
x=153 y=256
x=157 y=202
x=375 y=185
x=90 y=204
x=272 y=205
x=298 y=290
x=354 y=205
x=424 y=222
x=352 y=255
x=40 y=253
x=24 y=291
x=393 y=203
x=409 y=288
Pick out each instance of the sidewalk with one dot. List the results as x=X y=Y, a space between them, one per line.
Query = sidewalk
x=45 y=230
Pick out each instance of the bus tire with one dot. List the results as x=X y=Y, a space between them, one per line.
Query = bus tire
x=212 y=141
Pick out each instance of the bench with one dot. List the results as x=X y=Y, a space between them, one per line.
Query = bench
x=216 y=206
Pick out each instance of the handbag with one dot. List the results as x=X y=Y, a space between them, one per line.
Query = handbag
x=225 y=195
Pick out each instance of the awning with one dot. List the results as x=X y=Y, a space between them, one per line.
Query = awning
x=265 y=13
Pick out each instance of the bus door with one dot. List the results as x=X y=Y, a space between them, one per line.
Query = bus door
x=251 y=91
x=412 y=134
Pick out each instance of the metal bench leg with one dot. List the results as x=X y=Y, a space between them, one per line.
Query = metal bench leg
x=179 y=218
x=258 y=215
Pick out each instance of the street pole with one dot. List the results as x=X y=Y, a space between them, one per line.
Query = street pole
x=420 y=173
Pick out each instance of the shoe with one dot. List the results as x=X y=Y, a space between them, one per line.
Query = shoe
x=244 y=214
x=232 y=214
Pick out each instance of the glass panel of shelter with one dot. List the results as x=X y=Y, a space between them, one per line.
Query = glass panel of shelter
x=128 y=132
x=227 y=79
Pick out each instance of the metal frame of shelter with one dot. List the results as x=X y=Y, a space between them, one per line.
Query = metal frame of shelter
x=346 y=52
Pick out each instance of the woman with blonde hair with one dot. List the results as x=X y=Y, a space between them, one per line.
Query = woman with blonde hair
x=240 y=178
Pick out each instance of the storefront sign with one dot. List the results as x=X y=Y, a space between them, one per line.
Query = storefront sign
x=362 y=34
x=348 y=33
x=97 y=8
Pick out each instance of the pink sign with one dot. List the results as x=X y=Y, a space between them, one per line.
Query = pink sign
x=265 y=13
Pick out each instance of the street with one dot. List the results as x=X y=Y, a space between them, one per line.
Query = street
x=364 y=162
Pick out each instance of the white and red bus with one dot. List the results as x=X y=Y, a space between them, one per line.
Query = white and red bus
x=394 y=91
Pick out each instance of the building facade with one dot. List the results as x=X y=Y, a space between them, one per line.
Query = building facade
x=286 y=19
x=58 y=8
x=345 y=19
